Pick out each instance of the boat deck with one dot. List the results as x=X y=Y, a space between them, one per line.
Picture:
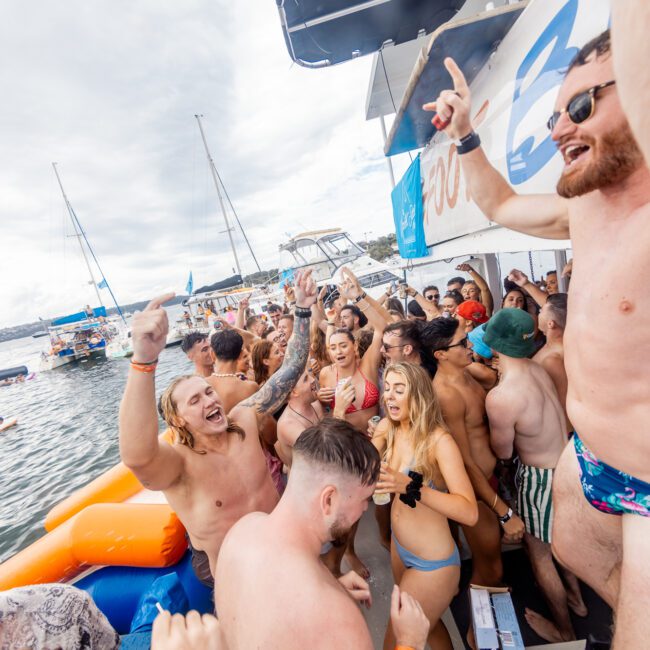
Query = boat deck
x=517 y=574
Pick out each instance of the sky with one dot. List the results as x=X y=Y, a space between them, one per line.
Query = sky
x=108 y=90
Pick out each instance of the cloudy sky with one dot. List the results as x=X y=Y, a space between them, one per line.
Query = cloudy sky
x=108 y=90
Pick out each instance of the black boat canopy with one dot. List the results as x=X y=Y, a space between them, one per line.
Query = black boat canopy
x=319 y=33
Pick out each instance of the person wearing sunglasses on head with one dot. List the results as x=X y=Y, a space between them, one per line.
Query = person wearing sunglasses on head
x=603 y=204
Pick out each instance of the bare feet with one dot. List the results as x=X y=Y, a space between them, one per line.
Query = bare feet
x=543 y=627
x=356 y=564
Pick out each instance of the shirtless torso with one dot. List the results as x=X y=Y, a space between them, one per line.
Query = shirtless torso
x=232 y=390
x=262 y=571
x=525 y=414
x=551 y=358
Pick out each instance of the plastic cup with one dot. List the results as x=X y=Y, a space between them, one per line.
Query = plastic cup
x=381 y=499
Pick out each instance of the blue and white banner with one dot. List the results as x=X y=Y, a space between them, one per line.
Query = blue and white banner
x=103 y=284
x=408 y=213
x=190 y=285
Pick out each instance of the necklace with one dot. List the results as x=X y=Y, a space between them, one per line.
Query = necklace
x=237 y=375
x=304 y=417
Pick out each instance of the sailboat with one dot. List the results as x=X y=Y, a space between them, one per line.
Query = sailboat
x=84 y=334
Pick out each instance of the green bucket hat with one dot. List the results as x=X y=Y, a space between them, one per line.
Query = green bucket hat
x=511 y=332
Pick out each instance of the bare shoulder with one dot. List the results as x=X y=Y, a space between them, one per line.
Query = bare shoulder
x=246 y=417
x=326 y=375
x=289 y=429
x=242 y=531
x=451 y=399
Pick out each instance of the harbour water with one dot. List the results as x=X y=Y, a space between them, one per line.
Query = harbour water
x=67 y=433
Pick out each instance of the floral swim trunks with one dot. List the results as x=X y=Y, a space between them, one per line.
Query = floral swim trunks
x=608 y=489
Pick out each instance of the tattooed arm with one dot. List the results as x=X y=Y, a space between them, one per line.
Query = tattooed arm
x=275 y=391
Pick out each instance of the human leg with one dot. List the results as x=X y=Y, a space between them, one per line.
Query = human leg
x=484 y=540
x=550 y=583
x=632 y=606
x=351 y=557
x=585 y=541
x=398 y=569
x=382 y=517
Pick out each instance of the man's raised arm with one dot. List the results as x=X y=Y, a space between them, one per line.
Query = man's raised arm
x=275 y=391
x=539 y=215
x=156 y=464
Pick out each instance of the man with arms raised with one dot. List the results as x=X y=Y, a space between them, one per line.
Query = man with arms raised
x=603 y=204
x=526 y=415
x=270 y=562
x=462 y=400
x=214 y=472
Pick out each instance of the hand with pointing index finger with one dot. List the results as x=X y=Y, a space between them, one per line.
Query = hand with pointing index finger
x=453 y=106
x=149 y=330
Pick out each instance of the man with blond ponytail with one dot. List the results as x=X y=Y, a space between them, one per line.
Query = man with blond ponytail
x=214 y=472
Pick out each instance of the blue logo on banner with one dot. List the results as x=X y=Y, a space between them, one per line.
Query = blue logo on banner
x=408 y=213
x=525 y=161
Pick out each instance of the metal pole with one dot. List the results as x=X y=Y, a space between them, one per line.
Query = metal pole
x=77 y=233
x=388 y=160
x=560 y=263
x=213 y=169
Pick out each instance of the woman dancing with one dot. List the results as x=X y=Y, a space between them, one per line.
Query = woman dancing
x=424 y=469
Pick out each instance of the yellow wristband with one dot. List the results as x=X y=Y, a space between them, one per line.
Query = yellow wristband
x=404 y=647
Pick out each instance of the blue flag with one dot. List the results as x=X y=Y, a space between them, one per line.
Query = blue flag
x=408 y=213
x=103 y=284
x=190 y=285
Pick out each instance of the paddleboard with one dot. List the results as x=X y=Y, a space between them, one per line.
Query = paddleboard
x=8 y=423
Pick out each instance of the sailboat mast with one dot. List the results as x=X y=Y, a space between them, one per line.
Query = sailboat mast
x=213 y=170
x=77 y=233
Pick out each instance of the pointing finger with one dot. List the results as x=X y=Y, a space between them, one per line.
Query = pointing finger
x=430 y=106
x=460 y=84
x=160 y=300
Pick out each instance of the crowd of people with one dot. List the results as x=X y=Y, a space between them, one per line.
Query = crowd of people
x=468 y=426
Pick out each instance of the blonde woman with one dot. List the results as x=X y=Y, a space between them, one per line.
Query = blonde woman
x=424 y=469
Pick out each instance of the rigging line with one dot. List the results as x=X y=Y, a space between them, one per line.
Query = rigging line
x=390 y=92
x=232 y=207
x=92 y=252
x=307 y=30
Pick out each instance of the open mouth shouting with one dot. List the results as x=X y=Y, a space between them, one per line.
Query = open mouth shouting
x=572 y=152
x=215 y=416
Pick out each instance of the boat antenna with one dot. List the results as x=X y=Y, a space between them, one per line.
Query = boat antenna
x=215 y=177
x=79 y=233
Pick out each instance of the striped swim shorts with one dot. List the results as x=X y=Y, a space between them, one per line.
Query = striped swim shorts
x=534 y=500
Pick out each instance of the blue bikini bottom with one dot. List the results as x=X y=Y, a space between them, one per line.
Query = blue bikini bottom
x=412 y=561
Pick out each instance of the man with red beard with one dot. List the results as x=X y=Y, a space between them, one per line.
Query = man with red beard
x=601 y=489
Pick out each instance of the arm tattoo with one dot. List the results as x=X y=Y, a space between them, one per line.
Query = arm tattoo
x=275 y=391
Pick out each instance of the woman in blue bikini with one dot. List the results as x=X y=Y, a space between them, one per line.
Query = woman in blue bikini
x=425 y=470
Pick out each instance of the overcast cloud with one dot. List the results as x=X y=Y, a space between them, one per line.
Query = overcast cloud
x=109 y=89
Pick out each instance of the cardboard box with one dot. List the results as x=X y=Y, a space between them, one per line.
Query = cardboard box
x=494 y=621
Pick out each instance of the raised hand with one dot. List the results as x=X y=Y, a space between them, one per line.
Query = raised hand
x=453 y=106
x=466 y=268
x=149 y=330
x=568 y=269
x=410 y=624
x=518 y=277
x=244 y=303
x=352 y=282
x=305 y=289
x=357 y=588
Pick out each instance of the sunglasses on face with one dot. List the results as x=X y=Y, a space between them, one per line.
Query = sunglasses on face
x=462 y=343
x=580 y=108
x=390 y=347
x=432 y=296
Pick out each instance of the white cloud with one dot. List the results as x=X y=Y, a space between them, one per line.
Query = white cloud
x=109 y=90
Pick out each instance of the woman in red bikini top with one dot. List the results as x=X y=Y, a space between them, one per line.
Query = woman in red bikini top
x=362 y=374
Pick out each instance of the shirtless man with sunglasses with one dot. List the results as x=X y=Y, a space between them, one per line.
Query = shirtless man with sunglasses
x=601 y=488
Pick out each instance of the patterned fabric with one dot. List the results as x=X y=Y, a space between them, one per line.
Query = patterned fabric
x=534 y=500
x=53 y=617
x=608 y=489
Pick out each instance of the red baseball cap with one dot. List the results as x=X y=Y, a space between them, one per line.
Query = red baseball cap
x=473 y=310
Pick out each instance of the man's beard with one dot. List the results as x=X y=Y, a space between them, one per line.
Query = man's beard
x=616 y=157
x=339 y=533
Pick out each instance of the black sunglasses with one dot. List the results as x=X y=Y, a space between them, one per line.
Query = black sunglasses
x=432 y=296
x=390 y=347
x=581 y=107
x=462 y=343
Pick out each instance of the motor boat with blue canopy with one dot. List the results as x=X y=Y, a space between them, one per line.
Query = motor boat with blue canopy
x=319 y=33
x=470 y=42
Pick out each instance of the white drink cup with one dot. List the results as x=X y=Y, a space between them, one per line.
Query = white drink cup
x=381 y=499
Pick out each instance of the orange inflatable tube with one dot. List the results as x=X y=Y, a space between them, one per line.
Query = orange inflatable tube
x=125 y=534
x=113 y=486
